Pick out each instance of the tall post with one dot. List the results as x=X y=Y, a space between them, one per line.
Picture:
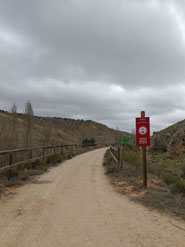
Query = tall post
x=43 y=154
x=122 y=150
x=144 y=166
x=144 y=158
x=30 y=157
x=119 y=158
x=10 y=163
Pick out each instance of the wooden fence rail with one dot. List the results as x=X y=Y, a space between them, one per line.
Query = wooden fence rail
x=114 y=153
x=117 y=156
x=13 y=158
x=10 y=159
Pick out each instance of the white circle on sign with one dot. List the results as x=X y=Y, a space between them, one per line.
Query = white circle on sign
x=143 y=130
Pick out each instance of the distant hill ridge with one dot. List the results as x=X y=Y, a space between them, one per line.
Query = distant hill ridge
x=52 y=130
x=171 y=139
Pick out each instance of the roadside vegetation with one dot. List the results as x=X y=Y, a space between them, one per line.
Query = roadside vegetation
x=166 y=180
x=28 y=173
x=89 y=142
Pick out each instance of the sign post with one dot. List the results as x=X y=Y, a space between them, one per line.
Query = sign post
x=143 y=140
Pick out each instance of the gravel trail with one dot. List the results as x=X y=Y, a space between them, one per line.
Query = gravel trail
x=75 y=205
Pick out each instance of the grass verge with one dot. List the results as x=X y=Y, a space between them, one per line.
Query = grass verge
x=159 y=194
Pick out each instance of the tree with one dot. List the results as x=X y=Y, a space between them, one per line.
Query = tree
x=89 y=142
x=29 y=117
x=14 y=109
x=14 y=134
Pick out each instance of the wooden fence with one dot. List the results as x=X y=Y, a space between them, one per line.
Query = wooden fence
x=13 y=158
x=117 y=155
x=10 y=159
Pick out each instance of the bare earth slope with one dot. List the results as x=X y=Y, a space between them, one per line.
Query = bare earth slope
x=74 y=205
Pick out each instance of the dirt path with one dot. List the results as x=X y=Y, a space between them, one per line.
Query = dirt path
x=74 y=205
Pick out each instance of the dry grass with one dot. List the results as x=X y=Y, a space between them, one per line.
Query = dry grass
x=157 y=196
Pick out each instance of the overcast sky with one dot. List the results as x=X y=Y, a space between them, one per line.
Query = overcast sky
x=104 y=60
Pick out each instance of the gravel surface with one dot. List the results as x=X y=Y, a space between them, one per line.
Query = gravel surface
x=75 y=205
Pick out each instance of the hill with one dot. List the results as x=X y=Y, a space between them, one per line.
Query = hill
x=171 y=139
x=47 y=130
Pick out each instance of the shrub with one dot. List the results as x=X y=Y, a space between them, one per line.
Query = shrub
x=179 y=187
x=183 y=172
x=14 y=173
x=169 y=179
x=42 y=167
x=24 y=178
x=69 y=156
x=54 y=159
x=59 y=160
x=111 y=170
x=133 y=158
x=154 y=170
x=36 y=164
x=27 y=166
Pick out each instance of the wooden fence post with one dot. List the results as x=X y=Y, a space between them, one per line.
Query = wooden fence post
x=119 y=158
x=122 y=150
x=30 y=156
x=43 y=154
x=10 y=163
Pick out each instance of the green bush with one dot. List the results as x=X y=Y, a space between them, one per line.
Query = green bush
x=42 y=167
x=69 y=156
x=54 y=159
x=20 y=168
x=89 y=141
x=111 y=170
x=27 y=166
x=14 y=173
x=132 y=157
x=36 y=164
x=59 y=160
x=169 y=179
x=24 y=178
x=183 y=172
x=179 y=187
x=153 y=169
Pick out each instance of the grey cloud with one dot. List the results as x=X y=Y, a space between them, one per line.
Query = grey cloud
x=101 y=102
x=133 y=45
x=103 y=60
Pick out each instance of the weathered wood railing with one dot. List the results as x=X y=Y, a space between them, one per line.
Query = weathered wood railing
x=10 y=159
x=117 y=155
x=13 y=158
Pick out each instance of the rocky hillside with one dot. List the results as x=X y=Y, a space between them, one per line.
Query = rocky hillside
x=46 y=131
x=171 y=139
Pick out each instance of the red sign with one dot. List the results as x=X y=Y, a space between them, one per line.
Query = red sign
x=143 y=131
